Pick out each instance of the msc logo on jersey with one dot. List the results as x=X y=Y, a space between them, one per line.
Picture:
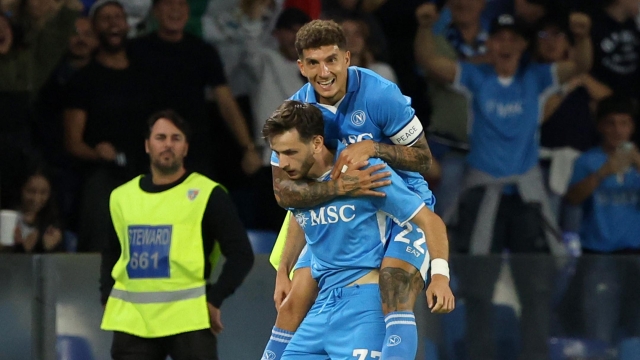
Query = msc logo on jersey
x=268 y=355
x=394 y=340
x=332 y=214
x=302 y=219
x=358 y=117
x=192 y=194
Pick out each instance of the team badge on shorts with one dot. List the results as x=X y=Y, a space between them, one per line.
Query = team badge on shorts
x=268 y=355
x=192 y=194
x=358 y=117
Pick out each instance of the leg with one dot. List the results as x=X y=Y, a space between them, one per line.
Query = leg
x=356 y=329
x=308 y=343
x=532 y=277
x=194 y=345
x=402 y=278
x=131 y=347
x=293 y=310
x=295 y=306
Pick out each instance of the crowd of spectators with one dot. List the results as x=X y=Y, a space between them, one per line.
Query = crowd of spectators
x=511 y=92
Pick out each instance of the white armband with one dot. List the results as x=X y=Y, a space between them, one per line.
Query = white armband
x=440 y=266
x=409 y=134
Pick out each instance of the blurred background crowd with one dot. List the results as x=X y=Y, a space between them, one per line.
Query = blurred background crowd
x=78 y=80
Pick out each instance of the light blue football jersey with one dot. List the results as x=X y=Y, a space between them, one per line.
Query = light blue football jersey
x=505 y=115
x=373 y=108
x=347 y=234
x=611 y=215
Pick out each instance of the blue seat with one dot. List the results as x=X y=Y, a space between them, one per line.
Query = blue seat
x=70 y=347
x=262 y=241
x=629 y=349
x=572 y=348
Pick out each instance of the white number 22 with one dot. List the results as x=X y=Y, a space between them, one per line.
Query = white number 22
x=416 y=244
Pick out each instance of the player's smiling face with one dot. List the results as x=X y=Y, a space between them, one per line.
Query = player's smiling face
x=326 y=69
x=295 y=156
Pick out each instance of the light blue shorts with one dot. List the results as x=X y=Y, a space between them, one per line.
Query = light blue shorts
x=344 y=324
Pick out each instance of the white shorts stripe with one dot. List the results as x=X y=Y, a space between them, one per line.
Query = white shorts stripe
x=401 y=323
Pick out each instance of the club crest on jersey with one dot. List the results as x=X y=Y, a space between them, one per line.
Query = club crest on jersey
x=358 y=117
x=192 y=194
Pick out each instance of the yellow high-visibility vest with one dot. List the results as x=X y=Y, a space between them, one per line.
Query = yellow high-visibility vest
x=278 y=247
x=159 y=278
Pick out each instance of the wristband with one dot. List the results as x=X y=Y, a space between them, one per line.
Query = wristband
x=440 y=267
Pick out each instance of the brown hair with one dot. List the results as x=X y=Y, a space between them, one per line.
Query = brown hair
x=175 y=118
x=319 y=33
x=305 y=118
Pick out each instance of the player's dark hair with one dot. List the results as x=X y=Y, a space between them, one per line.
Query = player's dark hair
x=318 y=33
x=305 y=118
x=175 y=118
x=615 y=104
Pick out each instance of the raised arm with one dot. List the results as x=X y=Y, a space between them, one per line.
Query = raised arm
x=438 y=67
x=354 y=182
x=580 y=25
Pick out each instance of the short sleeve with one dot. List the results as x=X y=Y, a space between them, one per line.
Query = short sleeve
x=468 y=78
x=580 y=170
x=215 y=69
x=392 y=112
x=400 y=203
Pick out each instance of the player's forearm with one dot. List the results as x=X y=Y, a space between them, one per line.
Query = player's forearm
x=293 y=246
x=299 y=194
x=411 y=158
x=435 y=232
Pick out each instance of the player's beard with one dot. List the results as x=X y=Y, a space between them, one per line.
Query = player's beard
x=306 y=166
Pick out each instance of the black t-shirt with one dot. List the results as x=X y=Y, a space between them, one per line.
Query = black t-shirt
x=117 y=103
x=180 y=72
x=571 y=124
x=616 y=54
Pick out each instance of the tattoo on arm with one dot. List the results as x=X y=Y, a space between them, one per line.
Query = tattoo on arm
x=413 y=158
x=292 y=193
x=399 y=288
